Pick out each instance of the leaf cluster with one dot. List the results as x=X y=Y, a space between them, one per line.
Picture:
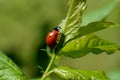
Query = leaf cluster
x=77 y=39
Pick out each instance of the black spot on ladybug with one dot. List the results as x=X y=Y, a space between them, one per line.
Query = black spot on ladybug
x=56 y=35
x=50 y=36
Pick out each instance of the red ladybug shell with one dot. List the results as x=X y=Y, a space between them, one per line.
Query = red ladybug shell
x=51 y=38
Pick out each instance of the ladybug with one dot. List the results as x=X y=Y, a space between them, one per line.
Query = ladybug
x=52 y=37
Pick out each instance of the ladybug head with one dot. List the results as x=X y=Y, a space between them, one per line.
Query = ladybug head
x=57 y=28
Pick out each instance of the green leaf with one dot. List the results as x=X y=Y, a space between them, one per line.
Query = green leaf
x=72 y=21
x=48 y=78
x=90 y=28
x=9 y=70
x=114 y=74
x=99 y=14
x=90 y=43
x=73 y=74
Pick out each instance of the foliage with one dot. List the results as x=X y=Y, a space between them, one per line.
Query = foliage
x=9 y=70
x=87 y=44
x=72 y=74
x=77 y=39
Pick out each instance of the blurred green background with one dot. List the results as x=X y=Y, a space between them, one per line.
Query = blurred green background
x=25 y=23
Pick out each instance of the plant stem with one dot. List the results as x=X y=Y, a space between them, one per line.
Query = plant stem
x=48 y=67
